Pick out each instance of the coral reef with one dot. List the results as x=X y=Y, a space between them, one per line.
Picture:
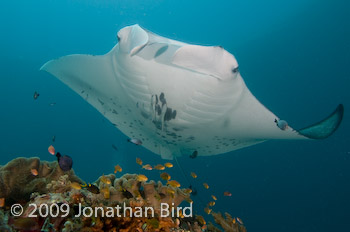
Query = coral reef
x=17 y=180
x=228 y=223
x=124 y=204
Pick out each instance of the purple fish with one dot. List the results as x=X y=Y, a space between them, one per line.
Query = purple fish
x=64 y=161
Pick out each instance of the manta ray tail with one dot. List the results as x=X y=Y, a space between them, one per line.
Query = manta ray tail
x=326 y=127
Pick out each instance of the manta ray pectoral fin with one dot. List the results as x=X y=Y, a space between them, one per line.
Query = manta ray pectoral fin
x=326 y=127
x=92 y=77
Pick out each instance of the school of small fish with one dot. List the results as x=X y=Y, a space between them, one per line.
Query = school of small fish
x=142 y=178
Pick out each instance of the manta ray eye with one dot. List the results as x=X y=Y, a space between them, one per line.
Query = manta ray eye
x=235 y=70
x=118 y=38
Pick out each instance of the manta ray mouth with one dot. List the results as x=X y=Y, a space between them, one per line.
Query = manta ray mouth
x=326 y=127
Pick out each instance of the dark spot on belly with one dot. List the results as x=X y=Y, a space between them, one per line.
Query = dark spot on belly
x=162 y=98
x=158 y=109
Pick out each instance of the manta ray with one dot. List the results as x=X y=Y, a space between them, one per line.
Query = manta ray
x=177 y=98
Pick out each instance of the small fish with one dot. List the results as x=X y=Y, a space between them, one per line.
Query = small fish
x=165 y=176
x=52 y=103
x=206 y=185
x=93 y=188
x=194 y=175
x=104 y=179
x=147 y=167
x=36 y=95
x=234 y=220
x=142 y=178
x=135 y=141
x=53 y=138
x=282 y=124
x=168 y=165
x=212 y=203
x=2 y=202
x=194 y=155
x=117 y=168
x=187 y=191
x=171 y=191
x=139 y=161
x=201 y=220
x=207 y=210
x=159 y=167
x=194 y=191
x=174 y=183
x=75 y=185
x=34 y=172
x=180 y=214
x=114 y=147
x=64 y=161
x=239 y=220
x=51 y=150
x=227 y=194
x=214 y=197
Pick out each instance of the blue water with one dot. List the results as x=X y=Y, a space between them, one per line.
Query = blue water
x=294 y=56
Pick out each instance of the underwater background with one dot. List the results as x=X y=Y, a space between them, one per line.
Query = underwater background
x=294 y=57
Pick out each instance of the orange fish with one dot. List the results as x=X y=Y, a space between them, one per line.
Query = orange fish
x=171 y=191
x=206 y=185
x=34 y=172
x=168 y=165
x=159 y=167
x=234 y=220
x=142 y=178
x=228 y=194
x=212 y=203
x=207 y=210
x=139 y=161
x=147 y=167
x=174 y=183
x=2 y=202
x=194 y=175
x=51 y=150
x=187 y=191
x=201 y=220
x=117 y=168
x=165 y=176
x=214 y=197
x=75 y=185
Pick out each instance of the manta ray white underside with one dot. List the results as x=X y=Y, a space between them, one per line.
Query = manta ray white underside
x=175 y=97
